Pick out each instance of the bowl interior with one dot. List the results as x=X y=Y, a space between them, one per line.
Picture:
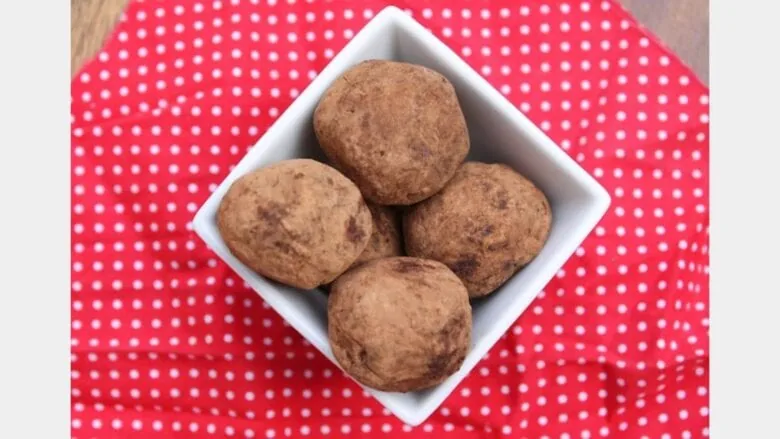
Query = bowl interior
x=499 y=133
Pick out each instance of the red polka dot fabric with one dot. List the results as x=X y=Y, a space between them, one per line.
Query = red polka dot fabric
x=168 y=342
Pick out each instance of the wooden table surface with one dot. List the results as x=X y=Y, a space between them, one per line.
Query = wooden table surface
x=683 y=25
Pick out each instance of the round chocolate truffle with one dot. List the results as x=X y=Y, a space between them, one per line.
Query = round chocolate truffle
x=486 y=224
x=298 y=222
x=395 y=129
x=399 y=324
x=386 y=239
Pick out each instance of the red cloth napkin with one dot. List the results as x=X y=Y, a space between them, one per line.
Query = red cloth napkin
x=167 y=341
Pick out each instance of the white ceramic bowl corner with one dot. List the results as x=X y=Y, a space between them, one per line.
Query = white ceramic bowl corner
x=499 y=133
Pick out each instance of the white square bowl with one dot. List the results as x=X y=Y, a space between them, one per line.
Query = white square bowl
x=499 y=133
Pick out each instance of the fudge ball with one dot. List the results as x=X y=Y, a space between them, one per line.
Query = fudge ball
x=399 y=324
x=486 y=224
x=395 y=129
x=298 y=222
x=386 y=239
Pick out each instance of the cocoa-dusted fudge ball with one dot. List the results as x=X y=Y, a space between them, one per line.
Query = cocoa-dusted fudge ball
x=399 y=324
x=486 y=224
x=298 y=222
x=395 y=129
x=386 y=240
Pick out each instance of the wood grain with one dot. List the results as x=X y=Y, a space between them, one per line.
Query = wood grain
x=683 y=25
x=91 y=22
